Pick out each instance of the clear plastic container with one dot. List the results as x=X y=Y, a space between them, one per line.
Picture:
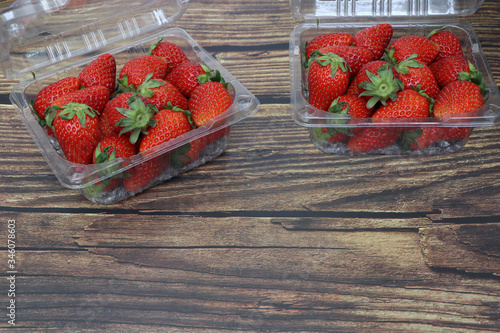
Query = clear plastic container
x=58 y=38
x=417 y=17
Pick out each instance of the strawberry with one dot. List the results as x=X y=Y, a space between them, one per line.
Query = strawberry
x=50 y=93
x=171 y=52
x=130 y=114
x=135 y=71
x=374 y=38
x=78 y=131
x=333 y=39
x=449 y=44
x=458 y=97
x=458 y=133
x=378 y=81
x=328 y=79
x=188 y=153
x=409 y=103
x=422 y=137
x=101 y=71
x=405 y=46
x=107 y=150
x=372 y=138
x=355 y=57
x=209 y=100
x=345 y=104
x=449 y=69
x=169 y=124
x=145 y=174
x=415 y=74
x=161 y=92
x=187 y=76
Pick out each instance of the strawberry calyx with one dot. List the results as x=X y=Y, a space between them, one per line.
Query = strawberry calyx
x=105 y=155
x=329 y=58
x=409 y=138
x=411 y=62
x=474 y=75
x=69 y=111
x=154 y=45
x=137 y=118
x=435 y=31
x=381 y=87
x=145 y=88
x=187 y=113
x=211 y=76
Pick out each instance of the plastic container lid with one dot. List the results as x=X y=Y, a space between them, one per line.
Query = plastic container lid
x=308 y=10
x=43 y=36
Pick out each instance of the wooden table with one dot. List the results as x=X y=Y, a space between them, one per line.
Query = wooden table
x=272 y=236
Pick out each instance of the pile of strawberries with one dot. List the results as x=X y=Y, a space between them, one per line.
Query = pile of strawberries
x=98 y=116
x=410 y=79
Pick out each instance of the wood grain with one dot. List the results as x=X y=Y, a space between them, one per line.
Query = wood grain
x=272 y=236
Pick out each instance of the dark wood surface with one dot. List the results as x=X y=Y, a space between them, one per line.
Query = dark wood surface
x=272 y=236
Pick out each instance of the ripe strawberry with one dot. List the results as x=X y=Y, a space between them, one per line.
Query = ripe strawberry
x=107 y=150
x=415 y=74
x=134 y=72
x=374 y=38
x=188 y=153
x=185 y=77
x=458 y=133
x=372 y=138
x=78 y=131
x=50 y=93
x=422 y=137
x=378 y=81
x=409 y=103
x=171 y=52
x=449 y=69
x=405 y=46
x=130 y=114
x=345 y=104
x=209 y=100
x=169 y=124
x=161 y=92
x=355 y=57
x=458 y=97
x=101 y=72
x=328 y=79
x=449 y=44
x=333 y=39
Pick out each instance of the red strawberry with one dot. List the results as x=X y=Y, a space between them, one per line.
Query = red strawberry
x=458 y=133
x=449 y=44
x=374 y=38
x=50 y=93
x=131 y=115
x=145 y=174
x=209 y=100
x=170 y=51
x=405 y=46
x=328 y=79
x=188 y=153
x=169 y=124
x=353 y=88
x=409 y=103
x=415 y=74
x=95 y=97
x=337 y=38
x=355 y=57
x=345 y=104
x=107 y=150
x=423 y=137
x=458 y=97
x=101 y=72
x=372 y=138
x=185 y=77
x=161 y=92
x=449 y=69
x=134 y=73
x=78 y=131
x=378 y=81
